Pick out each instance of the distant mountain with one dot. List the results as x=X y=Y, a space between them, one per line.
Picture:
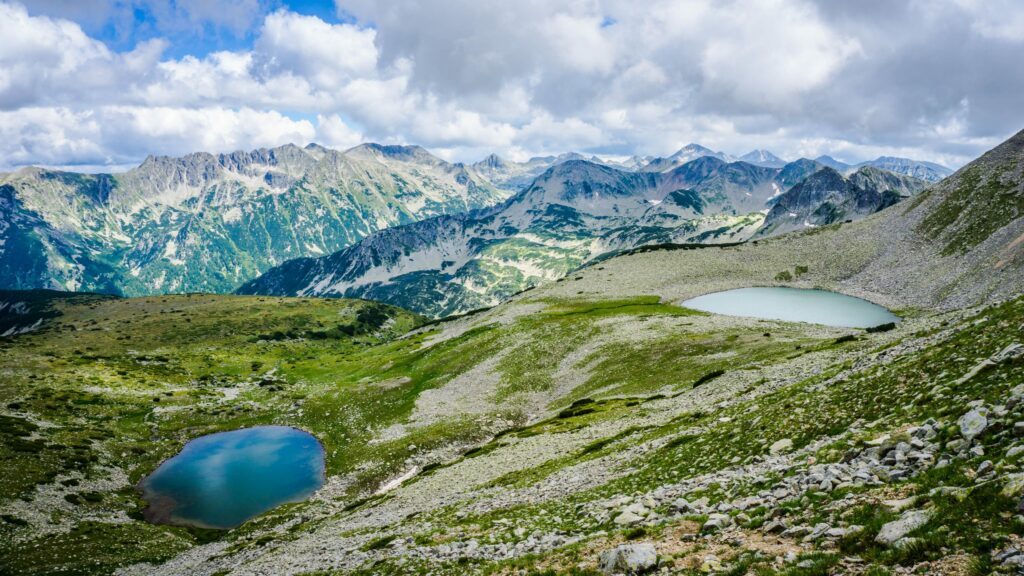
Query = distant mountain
x=206 y=222
x=826 y=197
x=927 y=171
x=797 y=171
x=633 y=163
x=832 y=163
x=574 y=212
x=515 y=176
x=763 y=158
x=687 y=153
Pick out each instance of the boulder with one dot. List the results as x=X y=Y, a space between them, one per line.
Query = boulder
x=627 y=518
x=716 y=522
x=784 y=445
x=972 y=424
x=629 y=559
x=897 y=529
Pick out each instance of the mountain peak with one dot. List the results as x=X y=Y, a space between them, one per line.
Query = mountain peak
x=831 y=162
x=492 y=161
x=401 y=152
x=692 y=149
x=762 y=157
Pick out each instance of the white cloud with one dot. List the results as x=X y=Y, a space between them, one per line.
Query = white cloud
x=579 y=43
x=770 y=52
x=333 y=132
x=998 y=19
x=327 y=55
x=467 y=78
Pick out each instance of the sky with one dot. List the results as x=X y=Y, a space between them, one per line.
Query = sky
x=100 y=84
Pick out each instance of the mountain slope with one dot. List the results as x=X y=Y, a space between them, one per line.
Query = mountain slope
x=209 y=222
x=827 y=197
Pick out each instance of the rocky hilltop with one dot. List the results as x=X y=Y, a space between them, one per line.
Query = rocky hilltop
x=828 y=197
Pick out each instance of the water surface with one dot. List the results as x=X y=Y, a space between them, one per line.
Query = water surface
x=795 y=305
x=221 y=480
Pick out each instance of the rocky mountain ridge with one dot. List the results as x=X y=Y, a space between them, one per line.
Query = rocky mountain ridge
x=574 y=212
x=827 y=197
x=209 y=222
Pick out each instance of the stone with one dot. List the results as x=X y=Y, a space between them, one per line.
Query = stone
x=627 y=518
x=711 y=563
x=716 y=522
x=1014 y=451
x=972 y=424
x=638 y=509
x=629 y=559
x=682 y=505
x=907 y=523
x=1013 y=485
x=900 y=505
x=780 y=447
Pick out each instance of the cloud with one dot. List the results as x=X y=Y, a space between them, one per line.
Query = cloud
x=115 y=134
x=935 y=80
x=326 y=55
x=333 y=132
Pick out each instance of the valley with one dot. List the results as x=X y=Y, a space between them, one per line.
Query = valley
x=588 y=423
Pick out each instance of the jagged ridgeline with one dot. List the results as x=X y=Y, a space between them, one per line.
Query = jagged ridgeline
x=208 y=222
x=579 y=210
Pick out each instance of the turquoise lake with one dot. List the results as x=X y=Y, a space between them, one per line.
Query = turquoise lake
x=795 y=305
x=222 y=480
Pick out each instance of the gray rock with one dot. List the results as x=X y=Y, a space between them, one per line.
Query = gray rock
x=782 y=446
x=716 y=522
x=627 y=518
x=907 y=523
x=972 y=424
x=629 y=559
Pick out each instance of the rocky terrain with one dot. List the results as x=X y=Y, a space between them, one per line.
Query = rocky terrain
x=590 y=425
x=210 y=222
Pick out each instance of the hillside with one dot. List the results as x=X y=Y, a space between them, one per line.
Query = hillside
x=210 y=222
x=582 y=416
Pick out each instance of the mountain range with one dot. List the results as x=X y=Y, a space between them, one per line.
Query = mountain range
x=574 y=212
x=211 y=223
x=208 y=222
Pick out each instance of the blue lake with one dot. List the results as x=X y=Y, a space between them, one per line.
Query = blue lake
x=222 y=480
x=795 y=305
